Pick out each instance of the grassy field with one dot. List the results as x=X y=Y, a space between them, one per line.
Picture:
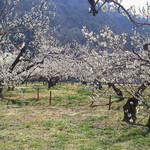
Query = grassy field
x=68 y=124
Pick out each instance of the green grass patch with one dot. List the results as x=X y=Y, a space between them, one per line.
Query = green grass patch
x=68 y=124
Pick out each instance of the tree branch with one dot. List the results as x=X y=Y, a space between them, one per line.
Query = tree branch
x=125 y=10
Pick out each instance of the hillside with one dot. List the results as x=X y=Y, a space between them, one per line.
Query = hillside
x=73 y=14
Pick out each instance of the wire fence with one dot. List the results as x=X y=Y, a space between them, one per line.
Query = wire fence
x=25 y=95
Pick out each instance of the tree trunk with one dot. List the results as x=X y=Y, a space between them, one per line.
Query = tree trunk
x=1 y=91
x=130 y=110
x=50 y=83
x=99 y=85
x=148 y=123
x=132 y=103
x=11 y=88
x=117 y=91
x=84 y=82
x=22 y=51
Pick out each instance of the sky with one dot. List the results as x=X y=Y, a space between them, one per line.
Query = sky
x=137 y=3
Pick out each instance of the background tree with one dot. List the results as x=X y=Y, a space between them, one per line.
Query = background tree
x=30 y=27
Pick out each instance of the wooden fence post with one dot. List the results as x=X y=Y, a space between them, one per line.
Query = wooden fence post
x=109 y=103
x=50 y=97
x=38 y=93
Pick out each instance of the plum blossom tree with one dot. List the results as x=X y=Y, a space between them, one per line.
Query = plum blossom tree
x=24 y=37
x=58 y=64
x=116 y=63
x=142 y=56
x=57 y=68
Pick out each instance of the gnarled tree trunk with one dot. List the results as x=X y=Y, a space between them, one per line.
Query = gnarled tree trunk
x=52 y=82
x=117 y=91
x=130 y=108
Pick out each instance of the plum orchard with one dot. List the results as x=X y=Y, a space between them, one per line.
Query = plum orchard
x=29 y=51
x=105 y=58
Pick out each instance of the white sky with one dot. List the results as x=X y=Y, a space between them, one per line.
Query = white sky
x=136 y=3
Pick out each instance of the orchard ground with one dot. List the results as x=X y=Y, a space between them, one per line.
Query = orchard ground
x=69 y=123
